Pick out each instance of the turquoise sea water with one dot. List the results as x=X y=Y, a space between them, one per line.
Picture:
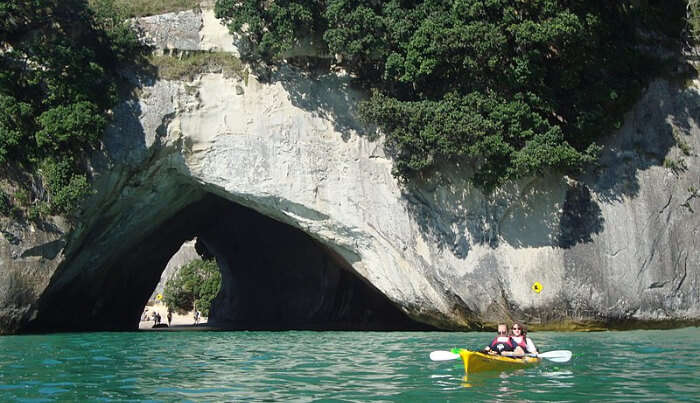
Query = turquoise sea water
x=656 y=365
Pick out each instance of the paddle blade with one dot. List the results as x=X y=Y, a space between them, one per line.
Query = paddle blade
x=443 y=356
x=557 y=355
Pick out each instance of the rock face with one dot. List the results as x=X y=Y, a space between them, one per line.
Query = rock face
x=296 y=200
x=28 y=258
x=186 y=254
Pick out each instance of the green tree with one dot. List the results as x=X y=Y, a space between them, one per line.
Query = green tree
x=693 y=17
x=509 y=88
x=195 y=284
x=292 y=20
x=58 y=82
x=66 y=187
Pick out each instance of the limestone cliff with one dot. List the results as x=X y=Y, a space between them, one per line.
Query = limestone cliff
x=296 y=200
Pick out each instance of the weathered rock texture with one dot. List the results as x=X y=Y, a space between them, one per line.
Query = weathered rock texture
x=297 y=202
x=186 y=254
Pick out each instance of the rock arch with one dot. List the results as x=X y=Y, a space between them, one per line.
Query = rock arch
x=275 y=277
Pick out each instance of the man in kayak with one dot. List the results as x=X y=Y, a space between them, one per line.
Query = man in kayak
x=524 y=344
x=502 y=344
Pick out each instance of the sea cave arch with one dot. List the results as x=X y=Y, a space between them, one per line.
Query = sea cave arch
x=274 y=277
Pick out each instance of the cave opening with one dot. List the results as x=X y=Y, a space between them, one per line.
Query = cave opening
x=187 y=285
x=274 y=277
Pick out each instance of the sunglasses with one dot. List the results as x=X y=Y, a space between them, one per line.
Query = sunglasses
x=517 y=328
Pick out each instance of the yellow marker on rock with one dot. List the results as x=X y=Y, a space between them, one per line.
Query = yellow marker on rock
x=537 y=287
x=159 y=297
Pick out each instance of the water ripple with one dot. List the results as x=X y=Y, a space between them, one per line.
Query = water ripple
x=340 y=366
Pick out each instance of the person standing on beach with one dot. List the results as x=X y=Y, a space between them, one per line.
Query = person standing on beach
x=170 y=317
x=196 y=317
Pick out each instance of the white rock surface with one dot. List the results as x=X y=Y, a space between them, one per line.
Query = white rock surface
x=618 y=244
x=292 y=149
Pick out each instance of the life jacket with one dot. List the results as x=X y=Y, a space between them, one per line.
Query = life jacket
x=502 y=343
x=522 y=343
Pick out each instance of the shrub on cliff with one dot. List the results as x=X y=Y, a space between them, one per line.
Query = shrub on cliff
x=195 y=285
x=58 y=81
x=693 y=16
x=508 y=88
x=140 y=8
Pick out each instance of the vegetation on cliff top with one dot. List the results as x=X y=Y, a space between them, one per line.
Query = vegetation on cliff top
x=194 y=286
x=58 y=81
x=141 y=8
x=190 y=64
x=694 y=21
x=509 y=88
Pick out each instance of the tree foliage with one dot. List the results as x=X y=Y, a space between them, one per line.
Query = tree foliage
x=58 y=62
x=195 y=284
x=693 y=17
x=508 y=87
x=292 y=21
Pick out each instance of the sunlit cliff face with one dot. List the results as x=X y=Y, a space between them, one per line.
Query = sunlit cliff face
x=613 y=246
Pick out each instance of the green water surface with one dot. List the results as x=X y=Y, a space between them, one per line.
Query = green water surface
x=631 y=366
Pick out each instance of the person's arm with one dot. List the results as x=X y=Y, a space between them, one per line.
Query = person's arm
x=531 y=346
x=489 y=350
x=518 y=352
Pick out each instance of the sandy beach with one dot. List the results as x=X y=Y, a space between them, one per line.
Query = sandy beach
x=186 y=320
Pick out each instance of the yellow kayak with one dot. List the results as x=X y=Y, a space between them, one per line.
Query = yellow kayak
x=475 y=361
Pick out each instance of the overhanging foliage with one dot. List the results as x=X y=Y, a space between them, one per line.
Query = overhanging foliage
x=508 y=87
x=58 y=62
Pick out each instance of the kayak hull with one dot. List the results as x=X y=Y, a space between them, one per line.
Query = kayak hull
x=475 y=361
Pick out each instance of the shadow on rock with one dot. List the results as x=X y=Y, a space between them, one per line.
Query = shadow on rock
x=331 y=96
x=662 y=119
x=456 y=215
x=555 y=211
x=581 y=217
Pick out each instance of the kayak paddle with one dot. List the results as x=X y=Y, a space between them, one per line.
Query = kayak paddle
x=443 y=356
x=556 y=356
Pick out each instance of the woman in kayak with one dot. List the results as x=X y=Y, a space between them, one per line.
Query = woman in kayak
x=524 y=344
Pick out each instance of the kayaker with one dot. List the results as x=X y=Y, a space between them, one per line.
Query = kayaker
x=502 y=343
x=524 y=345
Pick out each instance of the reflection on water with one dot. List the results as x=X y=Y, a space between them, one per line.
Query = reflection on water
x=348 y=366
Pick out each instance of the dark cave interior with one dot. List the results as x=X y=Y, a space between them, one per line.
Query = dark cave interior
x=274 y=277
